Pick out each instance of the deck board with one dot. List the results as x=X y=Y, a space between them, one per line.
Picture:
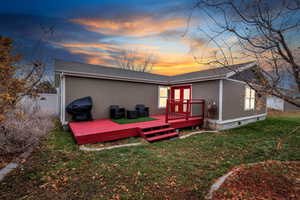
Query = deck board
x=101 y=130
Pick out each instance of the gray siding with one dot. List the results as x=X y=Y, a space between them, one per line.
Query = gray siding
x=208 y=90
x=233 y=101
x=290 y=107
x=111 y=92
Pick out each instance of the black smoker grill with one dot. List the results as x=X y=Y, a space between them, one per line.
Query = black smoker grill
x=80 y=109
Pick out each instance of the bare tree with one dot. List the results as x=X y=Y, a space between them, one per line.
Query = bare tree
x=136 y=60
x=264 y=32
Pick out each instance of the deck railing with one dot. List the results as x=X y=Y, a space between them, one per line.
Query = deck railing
x=184 y=109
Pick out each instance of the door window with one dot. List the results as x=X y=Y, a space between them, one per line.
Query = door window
x=177 y=94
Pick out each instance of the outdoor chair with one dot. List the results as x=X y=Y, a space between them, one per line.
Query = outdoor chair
x=142 y=110
x=116 y=112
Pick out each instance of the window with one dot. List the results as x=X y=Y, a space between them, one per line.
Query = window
x=163 y=96
x=249 y=98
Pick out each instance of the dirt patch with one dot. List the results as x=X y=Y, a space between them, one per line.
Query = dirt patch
x=277 y=113
x=268 y=180
x=188 y=131
x=116 y=142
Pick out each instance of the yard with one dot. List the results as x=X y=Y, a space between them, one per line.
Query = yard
x=174 y=169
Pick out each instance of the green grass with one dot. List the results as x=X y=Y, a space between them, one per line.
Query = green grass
x=127 y=121
x=172 y=169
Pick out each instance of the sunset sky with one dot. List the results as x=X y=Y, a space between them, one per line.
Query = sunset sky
x=95 y=31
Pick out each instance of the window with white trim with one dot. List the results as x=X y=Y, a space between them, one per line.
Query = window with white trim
x=249 y=98
x=162 y=96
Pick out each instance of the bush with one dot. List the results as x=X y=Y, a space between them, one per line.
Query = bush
x=23 y=128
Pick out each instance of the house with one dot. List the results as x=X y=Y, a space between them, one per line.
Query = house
x=236 y=103
x=277 y=103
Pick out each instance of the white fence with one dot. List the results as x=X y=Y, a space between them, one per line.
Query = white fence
x=47 y=103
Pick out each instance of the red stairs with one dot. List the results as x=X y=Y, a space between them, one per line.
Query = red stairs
x=158 y=133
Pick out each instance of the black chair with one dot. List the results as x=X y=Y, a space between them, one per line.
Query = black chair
x=142 y=110
x=116 y=112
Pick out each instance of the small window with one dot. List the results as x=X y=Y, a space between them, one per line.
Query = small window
x=163 y=96
x=249 y=98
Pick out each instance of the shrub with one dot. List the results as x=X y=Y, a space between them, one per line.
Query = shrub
x=23 y=128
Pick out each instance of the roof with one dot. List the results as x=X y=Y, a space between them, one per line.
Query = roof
x=98 y=71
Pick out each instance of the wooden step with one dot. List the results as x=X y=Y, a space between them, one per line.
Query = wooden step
x=160 y=137
x=157 y=131
x=155 y=127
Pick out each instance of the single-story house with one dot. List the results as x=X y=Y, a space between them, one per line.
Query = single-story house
x=277 y=103
x=236 y=102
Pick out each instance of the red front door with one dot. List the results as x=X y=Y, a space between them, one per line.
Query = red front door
x=180 y=94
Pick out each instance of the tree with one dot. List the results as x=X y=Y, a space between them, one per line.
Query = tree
x=45 y=86
x=16 y=80
x=136 y=60
x=264 y=32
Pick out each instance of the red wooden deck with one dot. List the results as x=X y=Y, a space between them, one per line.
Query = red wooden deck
x=106 y=130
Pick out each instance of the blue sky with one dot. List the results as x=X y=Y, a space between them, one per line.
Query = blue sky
x=96 y=31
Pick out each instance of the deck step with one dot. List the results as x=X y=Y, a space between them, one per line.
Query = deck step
x=160 y=137
x=155 y=127
x=153 y=132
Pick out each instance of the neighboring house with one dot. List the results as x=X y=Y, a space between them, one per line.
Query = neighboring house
x=279 y=104
x=237 y=104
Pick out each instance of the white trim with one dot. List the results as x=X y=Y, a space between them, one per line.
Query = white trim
x=241 y=69
x=237 y=119
x=158 y=102
x=207 y=78
x=249 y=98
x=220 y=100
x=63 y=99
x=60 y=98
x=238 y=81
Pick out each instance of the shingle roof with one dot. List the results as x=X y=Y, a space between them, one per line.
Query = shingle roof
x=82 y=69
x=214 y=72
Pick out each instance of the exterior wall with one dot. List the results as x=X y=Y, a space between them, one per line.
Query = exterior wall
x=275 y=103
x=235 y=123
x=233 y=101
x=208 y=90
x=110 y=92
x=290 y=107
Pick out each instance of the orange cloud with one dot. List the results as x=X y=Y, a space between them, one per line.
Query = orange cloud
x=165 y=63
x=139 y=26
x=103 y=46
x=172 y=64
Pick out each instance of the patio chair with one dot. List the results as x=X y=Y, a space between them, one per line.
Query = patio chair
x=116 y=112
x=142 y=110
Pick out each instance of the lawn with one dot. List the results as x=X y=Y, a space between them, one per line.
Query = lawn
x=174 y=169
x=127 y=121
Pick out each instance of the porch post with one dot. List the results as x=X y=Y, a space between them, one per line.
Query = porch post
x=167 y=111
x=188 y=109
x=203 y=107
